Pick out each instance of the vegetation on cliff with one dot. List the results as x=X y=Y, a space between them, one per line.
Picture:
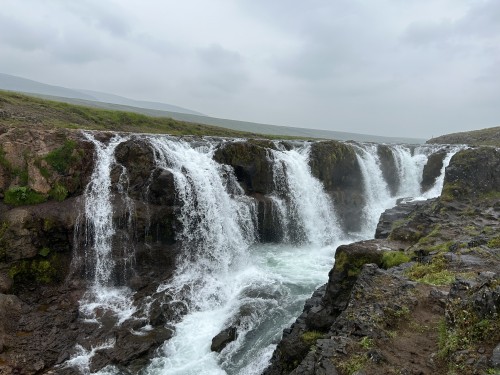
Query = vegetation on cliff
x=422 y=298
x=22 y=110
x=483 y=137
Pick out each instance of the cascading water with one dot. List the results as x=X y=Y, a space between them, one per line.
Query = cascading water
x=435 y=190
x=100 y=255
x=409 y=167
x=377 y=195
x=310 y=209
x=224 y=278
x=256 y=289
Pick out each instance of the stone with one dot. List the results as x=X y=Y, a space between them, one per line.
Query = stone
x=221 y=340
x=495 y=358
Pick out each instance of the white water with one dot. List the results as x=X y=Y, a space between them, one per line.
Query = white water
x=435 y=191
x=225 y=277
x=377 y=195
x=258 y=289
x=409 y=167
x=99 y=229
x=310 y=209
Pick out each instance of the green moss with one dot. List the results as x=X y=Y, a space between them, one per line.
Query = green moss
x=451 y=191
x=442 y=247
x=45 y=251
x=352 y=264
x=431 y=237
x=58 y=192
x=394 y=258
x=366 y=343
x=355 y=363
x=23 y=195
x=3 y=160
x=63 y=157
x=41 y=270
x=433 y=273
x=494 y=243
x=310 y=337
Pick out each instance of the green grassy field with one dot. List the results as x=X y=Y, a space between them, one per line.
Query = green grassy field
x=483 y=137
x=22 y=110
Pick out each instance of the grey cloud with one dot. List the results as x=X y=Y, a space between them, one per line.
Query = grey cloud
x=23 y=35
x=103 y=15
x=481 y=21
x=221 y=69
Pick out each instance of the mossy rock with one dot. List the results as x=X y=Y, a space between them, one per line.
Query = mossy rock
x=250 y=163
x=472 y=173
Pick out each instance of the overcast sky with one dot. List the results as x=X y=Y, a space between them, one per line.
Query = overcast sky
x=416 y=68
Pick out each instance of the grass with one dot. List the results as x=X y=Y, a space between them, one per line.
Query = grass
x=23 y=195
x=487 y=137
x=433 y=273
x=355 y=363
x=58 y=192
x=26 y=110
x=61 y=158
x=394 y=258
x=310 y=337
x=366 y=343
x=494 y=243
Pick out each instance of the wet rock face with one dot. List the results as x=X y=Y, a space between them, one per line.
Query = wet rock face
x=401 y=211
x=336 y=166
x=472 y=174
x=221 y=340
x=250 y=161
x=389 y=168
x=432 y=170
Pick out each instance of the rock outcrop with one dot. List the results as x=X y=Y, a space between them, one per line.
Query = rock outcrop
x=426 y=296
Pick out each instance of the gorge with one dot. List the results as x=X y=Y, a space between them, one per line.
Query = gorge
x=155 y=254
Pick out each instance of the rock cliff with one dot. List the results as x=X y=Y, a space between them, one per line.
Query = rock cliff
x=43 y=273
x=423 y=298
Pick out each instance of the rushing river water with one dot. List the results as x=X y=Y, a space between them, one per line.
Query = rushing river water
x=225 y=277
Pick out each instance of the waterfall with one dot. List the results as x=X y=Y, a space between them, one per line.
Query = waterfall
x=377 y=195
x=227 y=277
x=224 y=277
x=435 y=190
x=409 y=168
x=106 y=259
x=301 y=200
x=217 y=227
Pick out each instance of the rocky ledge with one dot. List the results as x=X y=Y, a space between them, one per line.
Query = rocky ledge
x=423 y=298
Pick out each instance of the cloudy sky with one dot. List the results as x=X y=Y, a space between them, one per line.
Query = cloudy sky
x=416 y=68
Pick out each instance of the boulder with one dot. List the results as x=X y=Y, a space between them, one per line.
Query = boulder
x=335 y=164
x=472 y=174
x=222 y=339
x=250 y=161
x=432 y=169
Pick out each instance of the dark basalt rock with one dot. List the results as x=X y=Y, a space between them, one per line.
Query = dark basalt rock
x=335 y=164
x=432 y=169
x=401 y=211
x=250 y=161
x=472 y=174
x=222 y=339
x=389 y=168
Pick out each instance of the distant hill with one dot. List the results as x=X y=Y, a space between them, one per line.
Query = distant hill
x=486 y=137
x=117 y=103
x=13 y=83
